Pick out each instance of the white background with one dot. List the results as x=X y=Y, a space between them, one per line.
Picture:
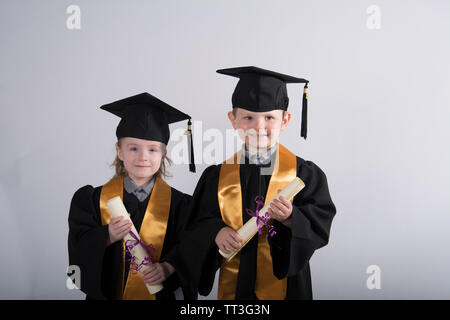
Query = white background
x=378 y=122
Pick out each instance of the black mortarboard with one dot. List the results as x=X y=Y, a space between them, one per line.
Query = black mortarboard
x=144 y=116
x=261 y=90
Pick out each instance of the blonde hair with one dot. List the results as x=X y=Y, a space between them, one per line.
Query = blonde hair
x=120 y=170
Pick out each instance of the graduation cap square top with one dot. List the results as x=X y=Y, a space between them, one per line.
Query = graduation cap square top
x=261 y=90
x=144 y=116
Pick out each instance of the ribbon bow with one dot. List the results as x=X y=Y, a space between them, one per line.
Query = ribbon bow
x=130 y=244
x=261 y=220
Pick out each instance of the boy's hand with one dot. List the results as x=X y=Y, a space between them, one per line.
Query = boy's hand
x=118 y=227
x=228 y=240
x=157 y=273
x=280 y=209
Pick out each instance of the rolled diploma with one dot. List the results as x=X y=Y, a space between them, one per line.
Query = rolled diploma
x=117 y=209
x=250 y=228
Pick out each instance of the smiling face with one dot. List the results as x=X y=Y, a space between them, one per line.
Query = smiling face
x=141 y=158
x=259 y=130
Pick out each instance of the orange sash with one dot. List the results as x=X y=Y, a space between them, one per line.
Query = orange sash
x=153 y=231
x=267 y=286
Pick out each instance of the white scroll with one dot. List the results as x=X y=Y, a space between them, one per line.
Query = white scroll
x=117 y=209
x=250 y=228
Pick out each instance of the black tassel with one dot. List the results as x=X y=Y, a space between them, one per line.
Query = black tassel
x=191 y=147
x=304 y=112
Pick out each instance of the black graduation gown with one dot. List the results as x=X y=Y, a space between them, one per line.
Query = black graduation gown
x=100 y=266
x=291 y=248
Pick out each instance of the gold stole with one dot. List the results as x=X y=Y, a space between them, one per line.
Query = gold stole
x=267 y=286
x=153 y=231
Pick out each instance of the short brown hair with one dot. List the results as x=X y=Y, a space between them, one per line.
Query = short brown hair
x=162 y=171
x=234 y=112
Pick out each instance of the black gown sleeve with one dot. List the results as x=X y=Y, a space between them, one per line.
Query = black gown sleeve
x=179 y=205
x=87 y=241
x=198 y=257
x=180 y=202
x=313 y=212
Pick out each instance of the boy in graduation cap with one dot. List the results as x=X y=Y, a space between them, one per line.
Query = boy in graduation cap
x=274 y=267
x=156 y=209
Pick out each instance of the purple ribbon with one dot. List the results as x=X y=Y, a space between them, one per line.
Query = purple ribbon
x=263 y=220
x=130 y=244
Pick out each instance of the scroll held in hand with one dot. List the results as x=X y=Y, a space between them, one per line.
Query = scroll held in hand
x=250 y=228
x=137 y=249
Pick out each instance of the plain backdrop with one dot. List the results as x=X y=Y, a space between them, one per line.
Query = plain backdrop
x=378 y=122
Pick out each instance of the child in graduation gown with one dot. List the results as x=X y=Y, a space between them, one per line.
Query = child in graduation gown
x=156 y=209
x=274 y=267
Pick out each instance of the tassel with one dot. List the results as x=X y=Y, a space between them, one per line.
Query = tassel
x=304 y=112
x=190 y=147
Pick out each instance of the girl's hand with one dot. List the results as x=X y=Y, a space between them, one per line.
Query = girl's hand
x=157 y=273
x=281 y=210
x=228 y=240
x=118 y=227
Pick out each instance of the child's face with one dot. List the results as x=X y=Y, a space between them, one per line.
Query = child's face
x=141 y=158
x=259 y=130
